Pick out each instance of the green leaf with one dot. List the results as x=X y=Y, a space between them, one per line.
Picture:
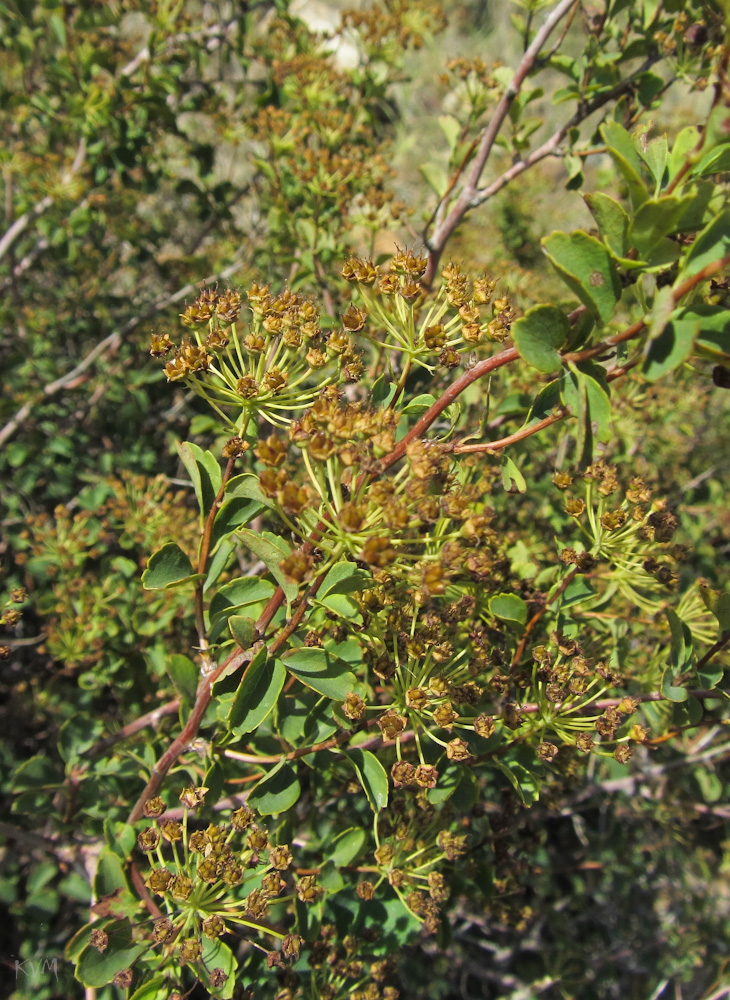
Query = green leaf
x=383 y=391
x=271 y=550
x=342 y=580
x=345 y=578
x=320 y=671
x=329 y=878
x=687 y=140
x=109 y=877
x=216 y=954
x=348 y=846
x=232 y=514
x=509 y=608
x=372 y=777
x=539 y=334
x=585 y=391
x=623 y=153
x=218 y=563
x=436 y=176
x=545 y=402
x=419 y=404
x=715 y=162
x=718 y=604
x=169 y=565
x=655 y=155
x=711 y=244
x=239 y=594
x=97 y=968
x=156 y=988
x=512 y=479
x=451 y=128
x=670 y=348
x=76 y=735
x=257 y=693
x=521 y=779
x=205 y=474
x=278 y=791
x=680 y=657
x=586 y=266
x=184 y=675
x=656 y=218
x=243 y=630
x=36 y=773
x=613 y=221
x=713 y=338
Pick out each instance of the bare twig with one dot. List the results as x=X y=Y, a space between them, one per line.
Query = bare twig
x=444 y=227
x=108 y=345
x=23 y=221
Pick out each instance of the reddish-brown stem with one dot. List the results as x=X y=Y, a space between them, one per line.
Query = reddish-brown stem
x=204 y=694
x=446 y=399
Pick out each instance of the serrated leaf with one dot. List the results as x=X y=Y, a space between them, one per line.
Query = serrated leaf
x=586 y=266
x=539 y=334
x=278 y=791
x=321 y=671
x=257 y=693
x=372 y=777
x=613 y=221
x=512 y=479
x=168 y=566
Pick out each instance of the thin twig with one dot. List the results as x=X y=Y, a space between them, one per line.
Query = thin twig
x=108 y=345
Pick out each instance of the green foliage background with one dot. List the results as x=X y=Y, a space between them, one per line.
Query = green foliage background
x=149 y=146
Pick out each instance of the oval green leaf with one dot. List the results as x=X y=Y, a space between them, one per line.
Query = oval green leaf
x=539 y=334
x=257 y=694
x=167 y=566
x=321 y=671
x=372 y=777
x=278 y=791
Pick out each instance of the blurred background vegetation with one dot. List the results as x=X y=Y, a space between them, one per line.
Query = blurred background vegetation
x=149 y=146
